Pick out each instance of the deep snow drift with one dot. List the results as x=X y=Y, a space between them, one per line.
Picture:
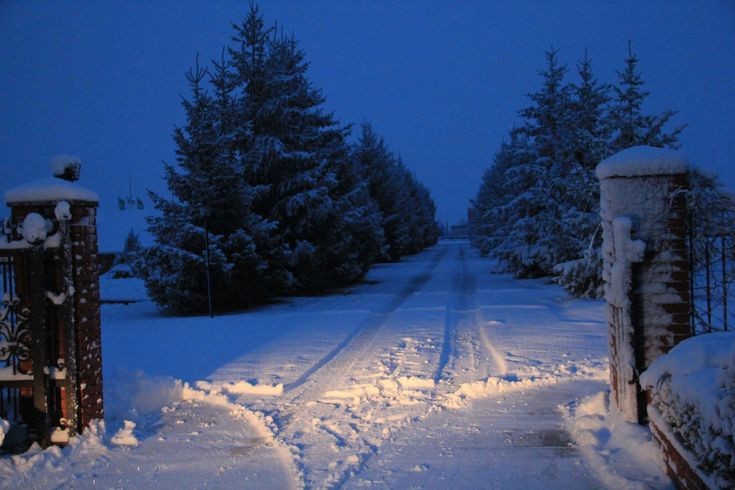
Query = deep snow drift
x=434 y=373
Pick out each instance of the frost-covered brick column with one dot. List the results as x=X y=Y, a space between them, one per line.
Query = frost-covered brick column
x=73 y=209
x=646 y=271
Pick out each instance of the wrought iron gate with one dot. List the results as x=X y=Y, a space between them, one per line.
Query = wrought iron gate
x=35 y=393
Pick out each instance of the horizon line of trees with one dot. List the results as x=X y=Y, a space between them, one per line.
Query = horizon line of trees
x=288 y=204
x=537 y=208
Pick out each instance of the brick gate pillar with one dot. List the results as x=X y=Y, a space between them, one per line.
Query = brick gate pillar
x=646 y=271
x=72 y=209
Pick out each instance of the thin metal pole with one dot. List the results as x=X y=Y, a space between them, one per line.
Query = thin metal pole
x=724 y=282
x=68 y=315
x=708 y=289
x=692 y=268
x=209 y=281
x=37 y=287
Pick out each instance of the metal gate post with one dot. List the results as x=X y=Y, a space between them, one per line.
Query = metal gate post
x=67 y=316
x=37 y=289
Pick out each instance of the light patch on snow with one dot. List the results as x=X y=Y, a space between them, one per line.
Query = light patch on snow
x=243 y=388
x=622 y=454
x=125 y=436
x=50 y=189
x=643 y=160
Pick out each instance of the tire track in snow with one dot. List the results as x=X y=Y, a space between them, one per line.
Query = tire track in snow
x=361 y=336
x=460 y=303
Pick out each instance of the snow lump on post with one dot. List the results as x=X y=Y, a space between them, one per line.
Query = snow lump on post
x=639 y=161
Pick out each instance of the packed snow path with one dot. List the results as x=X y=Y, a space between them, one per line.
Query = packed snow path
x=433 y=373
x=415 y=348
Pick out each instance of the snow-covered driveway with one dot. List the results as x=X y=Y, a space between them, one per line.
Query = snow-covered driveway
x=434 y=373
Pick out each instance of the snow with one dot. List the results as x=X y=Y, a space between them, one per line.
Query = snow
x=358 y=388
x=59 y=163
x=50 y=189
x=125 y=436
x=693 y=390
x=4 y=426
x=622 y=454
x=621 y=252
x=62 y=211
x=643 y=160
x=34 y=228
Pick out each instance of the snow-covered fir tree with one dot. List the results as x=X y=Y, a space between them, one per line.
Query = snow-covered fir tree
x=537 y=208
x=406 y=208
x=267 y=175
x=630 y=126
x=203 y=189
x=296 y=156
x=530 y=241
x=588 y=144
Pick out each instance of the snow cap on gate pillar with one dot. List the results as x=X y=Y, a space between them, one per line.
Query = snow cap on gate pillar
x=61 y=187
x=639 y=161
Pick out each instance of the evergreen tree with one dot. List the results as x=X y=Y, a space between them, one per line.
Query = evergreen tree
x=530 y=242
x=537 y=208
x=211 y=194
x=298 y=159
x=588 y=144
x=631 y=127
x=267 y=175
x=126 y=262
x=407 y=211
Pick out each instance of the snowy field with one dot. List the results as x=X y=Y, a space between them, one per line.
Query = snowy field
x=434 y=373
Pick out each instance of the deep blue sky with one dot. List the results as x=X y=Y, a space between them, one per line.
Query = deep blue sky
x=441 y=81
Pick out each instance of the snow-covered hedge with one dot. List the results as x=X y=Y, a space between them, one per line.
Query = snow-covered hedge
x=693 y=389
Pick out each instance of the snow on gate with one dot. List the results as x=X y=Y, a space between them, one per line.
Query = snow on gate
x=647 y=275
x=51 y=373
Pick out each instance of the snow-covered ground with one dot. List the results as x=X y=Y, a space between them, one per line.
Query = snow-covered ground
x=434 y=373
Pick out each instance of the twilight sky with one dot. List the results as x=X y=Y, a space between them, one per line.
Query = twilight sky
x=441 y=81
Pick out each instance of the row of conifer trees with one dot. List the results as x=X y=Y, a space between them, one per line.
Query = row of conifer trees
x=537 y=208
x=268 y=177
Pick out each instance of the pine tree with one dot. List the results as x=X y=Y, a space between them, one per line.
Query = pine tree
x=406 y=209
x=266 y=173
x=297 y=157
x=533 y=217
x=588 y=144
x=631 y=127
x=537 y=206
x=210 y=196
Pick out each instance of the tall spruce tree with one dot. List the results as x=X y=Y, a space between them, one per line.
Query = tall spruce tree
x=407 y=211
x=537 y=206
x=630 y=126
x=533 y=216
x=297 y=157
x=205 y=194
x=588 y=143
x=267 y=174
